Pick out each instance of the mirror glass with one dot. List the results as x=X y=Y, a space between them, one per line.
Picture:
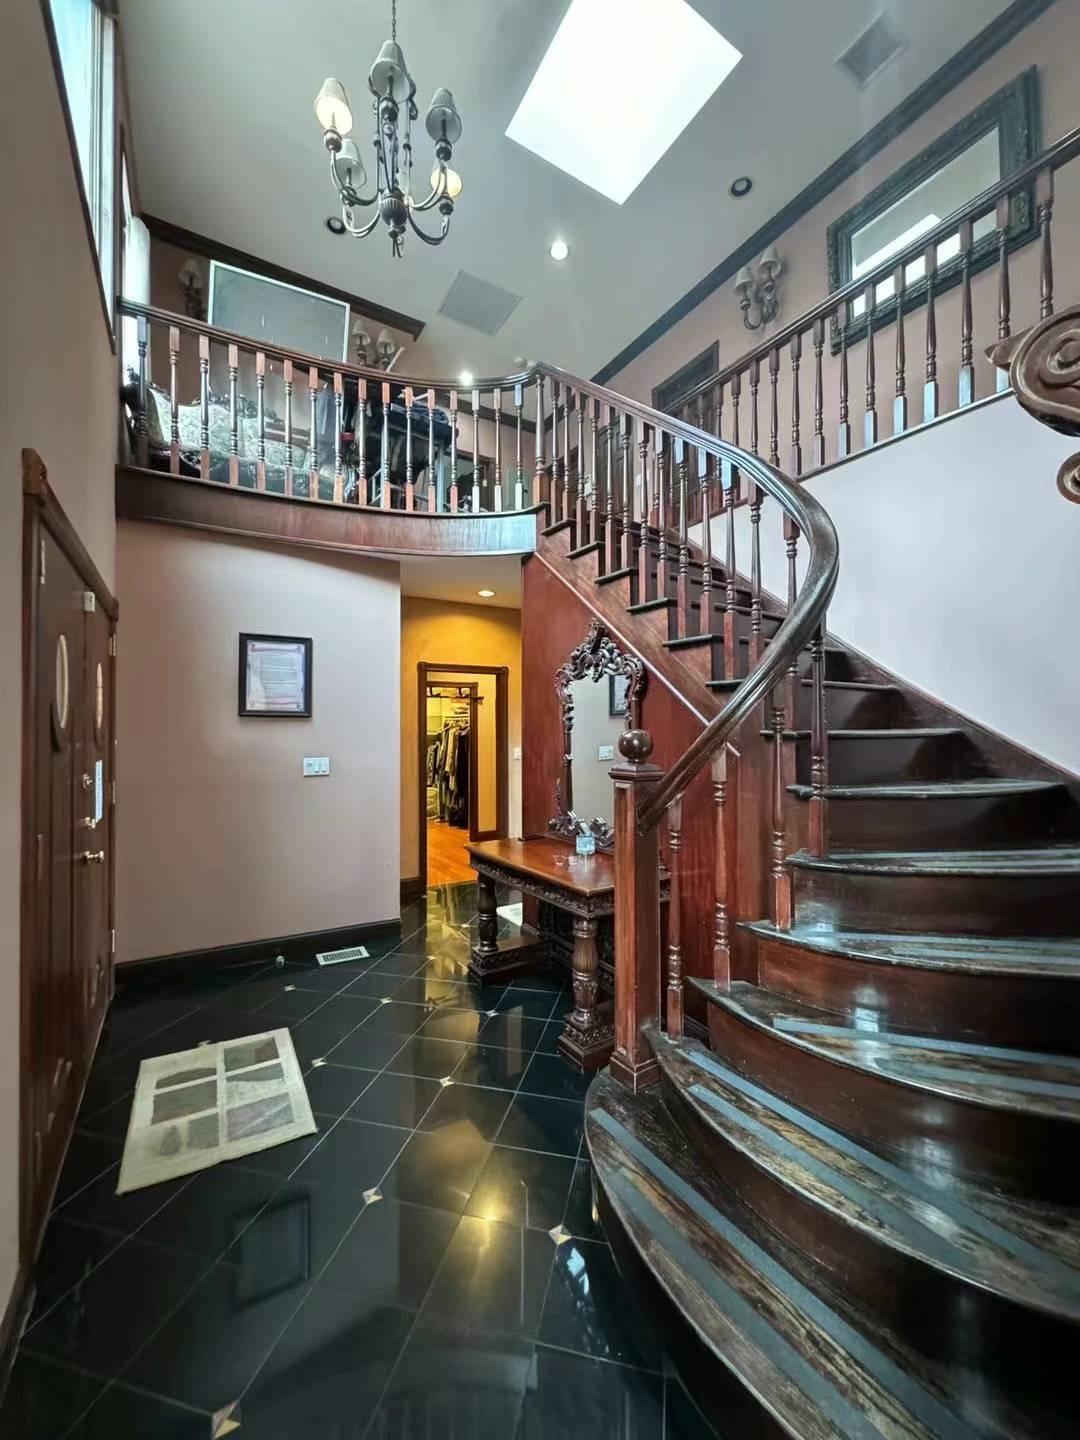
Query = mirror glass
x=594 y=742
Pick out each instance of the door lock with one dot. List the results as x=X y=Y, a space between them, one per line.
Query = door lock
x=93 y=857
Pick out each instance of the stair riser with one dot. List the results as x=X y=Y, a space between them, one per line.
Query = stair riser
x=1029 y=1154
x=890 y=758
x=852 y=709
x=1038 y=1013
x=708 y=660
x=951 y=822
x=921 y=1302
x=938 y=904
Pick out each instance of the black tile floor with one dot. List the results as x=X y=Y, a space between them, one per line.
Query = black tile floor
x=427 y=1265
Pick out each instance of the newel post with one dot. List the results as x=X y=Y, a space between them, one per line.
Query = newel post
x=637 y=916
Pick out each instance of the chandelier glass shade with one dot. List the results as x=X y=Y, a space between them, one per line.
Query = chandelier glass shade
x=394 y=109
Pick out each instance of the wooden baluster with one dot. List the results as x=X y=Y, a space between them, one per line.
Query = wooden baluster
x=663 y=466
x=819 y=746
x=362 y=496
x=519 y=467
x=791 y=538
x=611 y=534
x=386 y=494
x=705 y=614
x=757 y=646
x=540 y=468
x=818 y=450
x=581 y=506
x=204 y=406
x=755 y=383
x=645 y=581
x=260 y=407
x=674 y=945
x=174 y=400
x=721 y=914
x=625 y=423
x=556 y=459
x=142 y=430
x=870 y=416
x=637 y=916
x=453 y=452
x=683 y=598
x=731 y=648
x=843 y=434
x=930 y=388
x=234 y=418
x=796 y=405
x=568 y=504
x=497 y=493
x=433 y=479
x=732 y=472
x=967 y=350
x=900 y=405
x=410 y=492
x=774 y=407
x=313 y=435
x=656 y=482
x=1045 y=212
x=287 y=375
x=477 y=496
x=780 y=883
x=339 y=425
x=1004 y=286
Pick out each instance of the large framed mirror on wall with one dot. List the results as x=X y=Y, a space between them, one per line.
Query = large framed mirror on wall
x=998 y=137
x=599 y=690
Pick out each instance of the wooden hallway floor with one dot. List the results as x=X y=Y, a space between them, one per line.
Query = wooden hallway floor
x=447 y=862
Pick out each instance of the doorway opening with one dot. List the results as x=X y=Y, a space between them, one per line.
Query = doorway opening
x=463 y=781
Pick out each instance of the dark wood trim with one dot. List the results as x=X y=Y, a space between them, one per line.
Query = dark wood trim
x=502 y=766
x=295 y=948
x=965 y=62
x=16 y=1314
x=170 y=234
x=84 y=201
x=37 y=489
x=669 y=392
x=412 y=888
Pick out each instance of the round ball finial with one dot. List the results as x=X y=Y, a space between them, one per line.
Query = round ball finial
x=635 y=745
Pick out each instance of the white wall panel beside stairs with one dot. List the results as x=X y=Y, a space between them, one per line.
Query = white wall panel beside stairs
x=959 y=570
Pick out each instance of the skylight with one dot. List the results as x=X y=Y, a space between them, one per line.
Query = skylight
x=619 y=84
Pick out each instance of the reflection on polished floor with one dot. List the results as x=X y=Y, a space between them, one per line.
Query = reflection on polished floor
x=447 y=858
x=426 y=1266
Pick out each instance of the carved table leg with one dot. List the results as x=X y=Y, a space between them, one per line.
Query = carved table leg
x=490 y=960
x=589 y=1034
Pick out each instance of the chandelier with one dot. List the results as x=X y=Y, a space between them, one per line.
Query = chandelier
x=394 y=108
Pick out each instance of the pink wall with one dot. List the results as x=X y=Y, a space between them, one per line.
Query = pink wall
x=221 y=840
x=58 y=383
x=1052 y=43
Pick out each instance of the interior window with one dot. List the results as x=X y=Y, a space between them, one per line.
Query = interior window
x=85 y=43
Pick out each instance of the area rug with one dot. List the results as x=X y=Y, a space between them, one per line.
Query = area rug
x=199 y=1107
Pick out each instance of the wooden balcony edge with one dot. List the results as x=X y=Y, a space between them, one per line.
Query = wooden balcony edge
x=161 y=498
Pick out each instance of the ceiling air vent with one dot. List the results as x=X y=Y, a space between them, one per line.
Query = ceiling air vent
x=478 y=304
x=872 y=51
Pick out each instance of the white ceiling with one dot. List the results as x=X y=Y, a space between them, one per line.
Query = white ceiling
x=226 y=144
x=459 y=579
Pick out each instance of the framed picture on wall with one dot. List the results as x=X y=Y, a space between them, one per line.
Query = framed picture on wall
x=275 y=675
x=618 y=696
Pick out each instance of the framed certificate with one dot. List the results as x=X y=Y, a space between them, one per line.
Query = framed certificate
x=275 y=675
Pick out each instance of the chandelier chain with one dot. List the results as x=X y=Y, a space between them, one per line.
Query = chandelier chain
x=393 y=20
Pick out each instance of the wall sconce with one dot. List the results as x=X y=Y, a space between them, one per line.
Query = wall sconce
x=756 y=289
x=379 y=354
x=191 y=283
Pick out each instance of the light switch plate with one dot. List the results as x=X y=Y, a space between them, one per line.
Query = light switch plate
x=517 y=752
x=605 y=752
x=316 y=765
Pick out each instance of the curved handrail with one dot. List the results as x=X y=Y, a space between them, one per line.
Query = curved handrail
x=801 y=621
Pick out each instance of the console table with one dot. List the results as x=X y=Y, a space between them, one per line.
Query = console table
x=583 y=885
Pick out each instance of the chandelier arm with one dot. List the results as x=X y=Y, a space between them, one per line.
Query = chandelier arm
x=340 y=186
x=431 y=239
x=359 y=231
x=433 y=199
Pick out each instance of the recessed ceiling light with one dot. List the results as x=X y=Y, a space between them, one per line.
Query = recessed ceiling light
x=741 y=186
x=466 y=378
x=559 y=250
x=335 y=225
x=486 y=594
x=639 y=73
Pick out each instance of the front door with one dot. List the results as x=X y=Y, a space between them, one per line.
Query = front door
x=94 y=848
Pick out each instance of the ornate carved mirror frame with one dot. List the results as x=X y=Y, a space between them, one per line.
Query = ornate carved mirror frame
x=597 y=655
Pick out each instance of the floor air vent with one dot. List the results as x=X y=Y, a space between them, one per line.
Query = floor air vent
x=872 y=51
x=338 y=957
x=478 y=303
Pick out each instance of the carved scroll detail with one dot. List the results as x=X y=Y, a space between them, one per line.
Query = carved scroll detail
x=1044 y=371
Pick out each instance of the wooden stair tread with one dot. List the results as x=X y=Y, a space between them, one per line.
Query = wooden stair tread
x=945 y=1227
x=1025 y=1082
x=1042 y=956
x=986 y=788
x=1062 y=860
x=801 y=1358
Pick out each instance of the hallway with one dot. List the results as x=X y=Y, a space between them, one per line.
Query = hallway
x=447 y=861
x=426 y=1265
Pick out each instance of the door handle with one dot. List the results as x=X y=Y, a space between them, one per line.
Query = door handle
x=93 y=857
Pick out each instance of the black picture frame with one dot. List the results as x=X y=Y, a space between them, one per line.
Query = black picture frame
x=245 y=709
x=1015 y=112
x=667 y=395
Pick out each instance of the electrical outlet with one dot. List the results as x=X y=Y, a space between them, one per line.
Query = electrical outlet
x=605 y=752
x=316 y=765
